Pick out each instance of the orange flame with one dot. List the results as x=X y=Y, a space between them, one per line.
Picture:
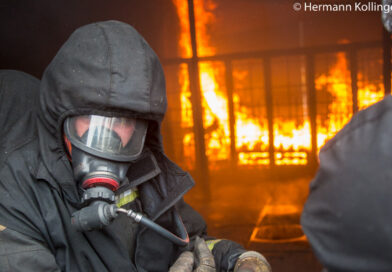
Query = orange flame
x=214 y=103
x=292 y=141
x=337 y=83
x=368 y=94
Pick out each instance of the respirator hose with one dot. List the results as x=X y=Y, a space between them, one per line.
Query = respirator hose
x=100 y=214
x=139 y=218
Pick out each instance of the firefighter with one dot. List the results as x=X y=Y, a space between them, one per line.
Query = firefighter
x=96 y=151
x=347 y=216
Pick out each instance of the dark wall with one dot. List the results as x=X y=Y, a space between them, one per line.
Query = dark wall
x=32 y=31
x=252 y=25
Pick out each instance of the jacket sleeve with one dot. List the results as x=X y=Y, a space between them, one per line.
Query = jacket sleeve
x=20 y=253
x=225 y=252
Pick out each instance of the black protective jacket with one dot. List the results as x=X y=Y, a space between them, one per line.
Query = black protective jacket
x=108 y=69
x=348 y=215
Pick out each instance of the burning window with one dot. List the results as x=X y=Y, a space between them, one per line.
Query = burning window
x=251 y=124
x=291 y=124
x=215 y=113
x=370 y=79
x=178 y=135
x=262 y=109
x=333 y=95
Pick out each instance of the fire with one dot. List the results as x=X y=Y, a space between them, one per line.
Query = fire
x=216 y=119
x=215 y=115
x=292 y=140
x=368 y=94
x=251 y=136
x=251 y=130
x=337 y=84
x=185 y=38
x=188 y=139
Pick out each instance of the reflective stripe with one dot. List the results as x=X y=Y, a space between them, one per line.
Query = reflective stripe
x=2 y=227
x=212 y=243
x=126 y=197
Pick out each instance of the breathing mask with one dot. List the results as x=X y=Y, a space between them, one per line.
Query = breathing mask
x=101 y=150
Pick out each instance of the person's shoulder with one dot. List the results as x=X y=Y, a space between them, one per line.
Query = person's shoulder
x=167 y=165
x=19 y=77
x=20 y=93
x=21 y=163
x=365 y=122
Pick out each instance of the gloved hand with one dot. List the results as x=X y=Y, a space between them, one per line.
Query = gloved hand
x=252 y=261
x=202 y=258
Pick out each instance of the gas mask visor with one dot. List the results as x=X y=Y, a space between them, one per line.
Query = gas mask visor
x=113 y=138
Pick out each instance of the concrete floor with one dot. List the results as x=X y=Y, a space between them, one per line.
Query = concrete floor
x=238 y=209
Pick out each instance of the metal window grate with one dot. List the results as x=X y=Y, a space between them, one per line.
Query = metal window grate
x=251 y=124
x=290 y=110
x=334 y=100
x=266 y=110
x=370 y=77
x=177 y=128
